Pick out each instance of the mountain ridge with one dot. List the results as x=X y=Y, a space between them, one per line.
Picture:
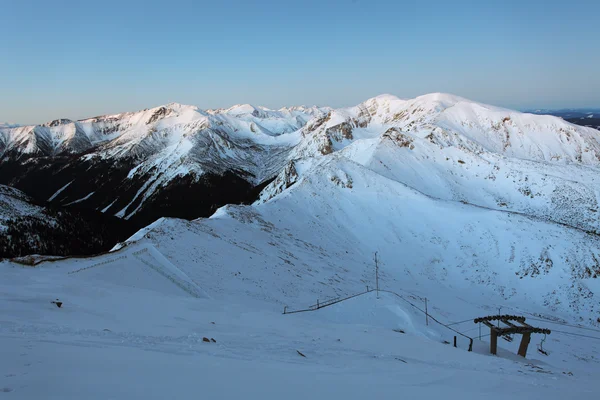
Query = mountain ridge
x=180 y=161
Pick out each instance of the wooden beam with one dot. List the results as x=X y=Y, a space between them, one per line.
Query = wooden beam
x=516 y=329
x=493 y=341
x=500 y=317
x=524 y=344
x=489 y=325
x=510 y=324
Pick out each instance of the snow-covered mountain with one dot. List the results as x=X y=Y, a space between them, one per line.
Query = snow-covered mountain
x=454 y=149
x=169 y=160
x=472 y=207
x=324 y=229
x=453 y=191
x=589 y=117
x=178 y=160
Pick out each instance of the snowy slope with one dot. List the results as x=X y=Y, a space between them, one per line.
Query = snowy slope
x=137 y=317
x=454 y=149
x=398 y=177
x=118 y=338
x=327 y=225
x=461 y=122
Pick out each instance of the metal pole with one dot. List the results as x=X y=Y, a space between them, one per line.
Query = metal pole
x=377 y=274
x=426 y=313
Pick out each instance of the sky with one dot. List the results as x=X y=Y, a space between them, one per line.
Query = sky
x=77 y=59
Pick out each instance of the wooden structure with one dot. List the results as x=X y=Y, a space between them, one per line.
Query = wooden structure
x=510 y=324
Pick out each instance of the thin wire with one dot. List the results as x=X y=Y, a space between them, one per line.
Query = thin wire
x=472 y=329
x=564 y=333
x=461 y=322
x=561 y=323
x=576 y=334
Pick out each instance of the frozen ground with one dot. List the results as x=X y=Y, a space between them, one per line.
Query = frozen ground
x=132 y=326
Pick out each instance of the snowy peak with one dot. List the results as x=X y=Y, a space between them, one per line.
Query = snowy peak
x=153 y=150
x=445 y=116
x=148 y=153
x=155 y=127
x=240 y=110
x=57 y=122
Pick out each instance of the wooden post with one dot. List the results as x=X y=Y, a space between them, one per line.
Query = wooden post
x=284 y=309
x=455 y=341
x=427 y=314
x=493 y=341
x=317 y=303
x=470 y=344
x=524 y=344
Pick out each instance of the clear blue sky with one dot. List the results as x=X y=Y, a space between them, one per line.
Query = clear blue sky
x=75 y=59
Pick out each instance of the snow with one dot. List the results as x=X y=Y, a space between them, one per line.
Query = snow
x=135 y=317
x=124 y=331
x=87 y=196
x=133 y=320
x=175 y=140
x=59 y=191
x=470 y=206
x=105 y=209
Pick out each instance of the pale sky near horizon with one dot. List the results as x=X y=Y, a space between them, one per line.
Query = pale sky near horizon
x=76 y=59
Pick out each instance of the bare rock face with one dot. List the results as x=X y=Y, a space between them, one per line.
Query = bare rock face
x=399 y=138
x=284 y=180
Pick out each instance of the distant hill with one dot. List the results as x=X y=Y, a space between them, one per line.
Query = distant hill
x=589 y=117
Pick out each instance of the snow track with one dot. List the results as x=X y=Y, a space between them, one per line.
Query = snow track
x=153 y=259
x=133 y=265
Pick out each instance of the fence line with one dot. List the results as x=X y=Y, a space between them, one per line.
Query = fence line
x=328 y=303
x=111 y=260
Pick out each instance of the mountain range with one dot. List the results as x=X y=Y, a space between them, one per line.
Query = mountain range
x=442 y=185
x=455 y=209
x=181 y=161
x=589 y=117
x=172 y=160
